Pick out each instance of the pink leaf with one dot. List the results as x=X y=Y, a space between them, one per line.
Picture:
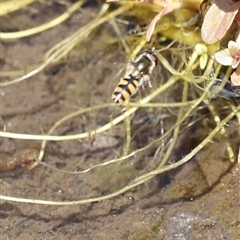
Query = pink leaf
x=218 y=20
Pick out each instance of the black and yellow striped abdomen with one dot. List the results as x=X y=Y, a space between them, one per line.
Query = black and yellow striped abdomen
x=125 y=89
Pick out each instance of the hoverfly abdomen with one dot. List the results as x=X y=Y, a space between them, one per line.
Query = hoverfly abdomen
x=139 y=71
x=125 y=89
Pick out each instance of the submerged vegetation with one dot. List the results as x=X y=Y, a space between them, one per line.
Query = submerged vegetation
x=196 y=83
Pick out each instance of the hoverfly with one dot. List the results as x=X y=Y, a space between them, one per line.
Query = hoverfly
x=139 y=70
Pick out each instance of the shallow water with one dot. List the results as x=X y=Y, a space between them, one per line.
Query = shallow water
x=199 y=200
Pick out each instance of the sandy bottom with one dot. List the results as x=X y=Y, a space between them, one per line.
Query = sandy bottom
x=200 y=200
